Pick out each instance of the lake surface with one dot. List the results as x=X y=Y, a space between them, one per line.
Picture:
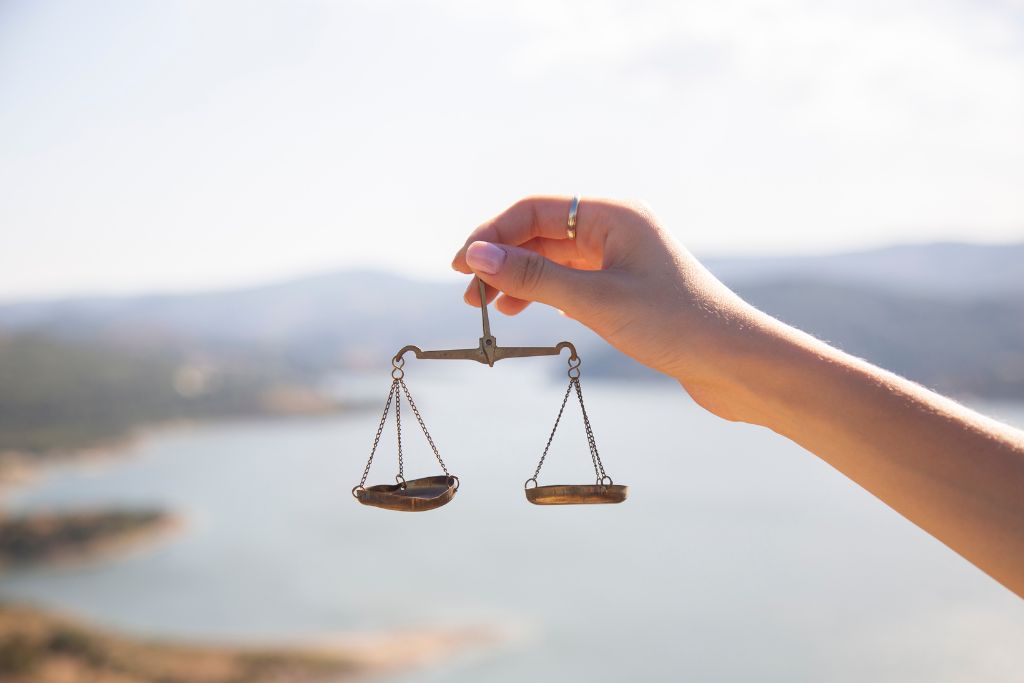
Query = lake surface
x=738 y=556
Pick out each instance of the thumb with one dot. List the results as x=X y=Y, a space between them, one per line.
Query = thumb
x=527 y=275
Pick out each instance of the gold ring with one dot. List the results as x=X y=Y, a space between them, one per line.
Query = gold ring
x=570 y=230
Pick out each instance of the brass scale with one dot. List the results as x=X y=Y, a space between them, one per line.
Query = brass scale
x=429 y=493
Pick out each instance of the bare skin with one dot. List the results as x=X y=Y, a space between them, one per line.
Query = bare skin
x=955 y=473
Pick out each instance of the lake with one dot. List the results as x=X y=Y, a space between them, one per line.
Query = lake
x=737 y=557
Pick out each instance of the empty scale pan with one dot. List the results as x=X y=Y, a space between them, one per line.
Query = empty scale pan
x=576 y=494
x=416 y=495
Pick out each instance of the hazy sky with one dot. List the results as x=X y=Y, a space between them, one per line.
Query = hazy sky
x=169 y=145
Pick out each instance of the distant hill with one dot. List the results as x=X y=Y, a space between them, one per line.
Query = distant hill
x=956 y=346
x=944 y=270
x=312 y=324
x=948 y=315
x=61 y=396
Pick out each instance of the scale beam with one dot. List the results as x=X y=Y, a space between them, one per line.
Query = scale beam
x=488 y=352
x=481 y=355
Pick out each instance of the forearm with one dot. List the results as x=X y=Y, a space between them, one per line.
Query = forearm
x=954 y=473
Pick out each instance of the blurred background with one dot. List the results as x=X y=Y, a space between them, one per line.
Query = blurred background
x=219 y=220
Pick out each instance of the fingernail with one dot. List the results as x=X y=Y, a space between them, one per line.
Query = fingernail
x=485 y=257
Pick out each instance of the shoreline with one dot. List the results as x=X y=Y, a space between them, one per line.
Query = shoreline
x=46 y=647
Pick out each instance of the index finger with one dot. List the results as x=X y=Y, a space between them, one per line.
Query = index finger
x=525 y=220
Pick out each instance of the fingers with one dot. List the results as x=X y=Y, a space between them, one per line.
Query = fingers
x=509 y=305
x=564 y=251
x=472 y=294
x=526 y=254
x=536 y=217
x=525 y=275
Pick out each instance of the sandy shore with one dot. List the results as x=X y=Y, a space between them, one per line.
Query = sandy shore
x=39 y=647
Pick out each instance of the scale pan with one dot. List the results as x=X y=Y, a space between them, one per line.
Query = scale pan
x=419 y=495
x=577 y=494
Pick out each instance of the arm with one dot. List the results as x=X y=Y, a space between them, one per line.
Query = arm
x=953 y=472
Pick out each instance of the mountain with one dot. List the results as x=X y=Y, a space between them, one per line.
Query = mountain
x=948 y=315
x=944 y=270
x=314 y=323
x=953 y=345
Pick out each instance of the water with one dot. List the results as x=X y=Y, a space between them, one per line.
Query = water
x=739 y=556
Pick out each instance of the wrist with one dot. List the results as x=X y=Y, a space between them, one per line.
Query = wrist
x=745 y=370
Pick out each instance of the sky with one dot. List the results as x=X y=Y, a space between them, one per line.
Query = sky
x=170 y=145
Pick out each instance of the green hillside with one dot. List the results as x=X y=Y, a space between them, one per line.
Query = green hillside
x=57 y=395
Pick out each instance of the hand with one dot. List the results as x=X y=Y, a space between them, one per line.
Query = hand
x=624 y=277
x=953 y=472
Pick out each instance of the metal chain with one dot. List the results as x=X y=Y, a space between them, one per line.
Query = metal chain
x=400 y=477
x=536 y=473
x=423 y=426
x=394 y=394
x=595 y=457
x=380 y=430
